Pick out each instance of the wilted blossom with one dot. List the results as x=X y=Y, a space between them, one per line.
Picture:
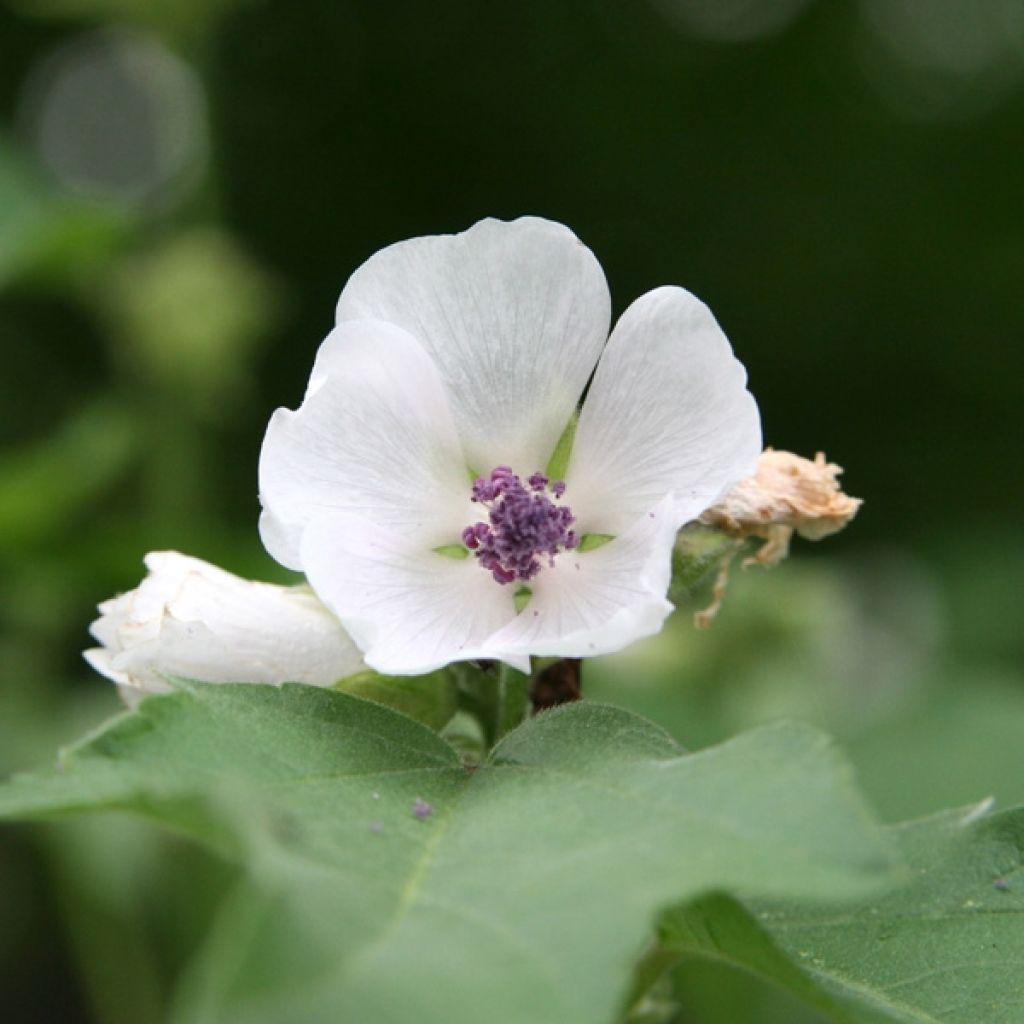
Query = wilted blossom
x=421 y=485
x=787 y=494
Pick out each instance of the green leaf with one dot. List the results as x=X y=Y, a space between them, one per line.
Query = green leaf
x=532 y=885
x=719 y=927
x=947 y=947
x=431 y=699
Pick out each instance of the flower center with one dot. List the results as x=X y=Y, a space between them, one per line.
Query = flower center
x=524 y=525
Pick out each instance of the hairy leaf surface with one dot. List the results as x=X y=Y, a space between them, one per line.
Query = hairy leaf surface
x=524 y=895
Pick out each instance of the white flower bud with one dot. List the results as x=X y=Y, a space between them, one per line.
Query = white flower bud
x=190 y=619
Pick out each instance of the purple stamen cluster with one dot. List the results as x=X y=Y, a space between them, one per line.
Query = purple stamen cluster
x=525 y=524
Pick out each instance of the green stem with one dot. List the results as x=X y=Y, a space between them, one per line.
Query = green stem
x=496 y=695
x=513 y=696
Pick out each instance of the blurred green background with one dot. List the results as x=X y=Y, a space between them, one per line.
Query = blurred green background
x=184 y=188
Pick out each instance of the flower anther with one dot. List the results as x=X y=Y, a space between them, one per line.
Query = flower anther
x=524 y=524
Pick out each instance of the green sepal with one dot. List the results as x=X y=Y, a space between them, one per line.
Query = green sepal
x=456 y=551
x=559 y=461
x=431 y=699
x=593 y=541
x=698 y=551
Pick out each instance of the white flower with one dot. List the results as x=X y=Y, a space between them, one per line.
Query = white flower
x=190 y=619
x=458 y=355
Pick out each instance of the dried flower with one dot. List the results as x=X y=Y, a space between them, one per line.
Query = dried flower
x=788 y=494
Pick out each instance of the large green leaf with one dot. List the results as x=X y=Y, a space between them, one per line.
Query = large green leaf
x=948 y=947
x=524 y=896
x=431 y=699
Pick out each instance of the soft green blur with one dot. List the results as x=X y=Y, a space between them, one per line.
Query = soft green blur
x=184 y=188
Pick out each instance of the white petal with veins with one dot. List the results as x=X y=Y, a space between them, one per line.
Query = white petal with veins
x=373 y=436
x=408 y=608
x=514 y=314
x=599 y=601
x=668 y=410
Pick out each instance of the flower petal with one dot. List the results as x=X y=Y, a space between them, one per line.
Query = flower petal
x=188 y=618
x=599 y=601
x=668 y=411
x=514 y=314
x=374 y=435
x=409 y=609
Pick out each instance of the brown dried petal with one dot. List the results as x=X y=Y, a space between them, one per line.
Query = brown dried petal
x=787 y=494
x=786 y=491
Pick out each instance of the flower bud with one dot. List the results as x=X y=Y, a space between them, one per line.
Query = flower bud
x=191 y=620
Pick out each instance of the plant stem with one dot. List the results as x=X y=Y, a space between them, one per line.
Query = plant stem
x=496 y=695
x=512 y=701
